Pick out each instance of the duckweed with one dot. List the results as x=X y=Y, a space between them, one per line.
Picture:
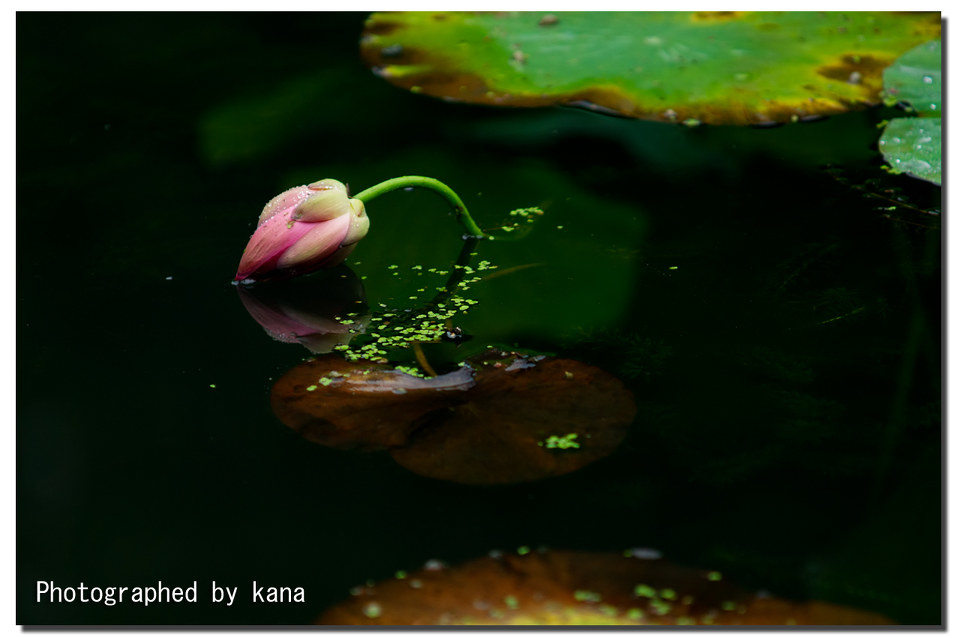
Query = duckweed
x=565 y=442
x=644 y=591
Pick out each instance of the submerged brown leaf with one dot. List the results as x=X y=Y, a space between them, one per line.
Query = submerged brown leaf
x=500 y=418
x=576 y=588
x=360 y=405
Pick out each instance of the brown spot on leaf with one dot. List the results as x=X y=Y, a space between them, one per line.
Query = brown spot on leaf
x=715 y=16
x=548 y=20
x=867 y=70
x=378 y=26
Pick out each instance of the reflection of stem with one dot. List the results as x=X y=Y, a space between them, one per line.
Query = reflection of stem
x=436 y=186
x=422 y=360
x=456 y=274
x=897 y=202
x=510 y=271
x=450 y=287
x=917 y=344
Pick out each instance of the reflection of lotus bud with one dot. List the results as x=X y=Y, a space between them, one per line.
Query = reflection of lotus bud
x=304 y=229
x=307 y=311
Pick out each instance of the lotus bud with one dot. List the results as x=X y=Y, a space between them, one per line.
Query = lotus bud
x=304 y=229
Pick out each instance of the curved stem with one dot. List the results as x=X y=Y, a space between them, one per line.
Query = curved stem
x=436 y=186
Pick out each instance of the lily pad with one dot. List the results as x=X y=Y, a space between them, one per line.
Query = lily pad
x=499 y=418
x=915 y=78
x=712 y=67
x=914 y=145
x=576 y=588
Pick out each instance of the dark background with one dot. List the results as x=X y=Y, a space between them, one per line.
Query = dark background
x=787 y=373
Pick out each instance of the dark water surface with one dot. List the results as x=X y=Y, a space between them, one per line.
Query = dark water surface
x=780 y=336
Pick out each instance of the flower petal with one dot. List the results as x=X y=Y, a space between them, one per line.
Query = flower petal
x=287 y=199
x=336 y=258
x=320 y=242
x=359 y=223
x=268 y=243
x=323 y=205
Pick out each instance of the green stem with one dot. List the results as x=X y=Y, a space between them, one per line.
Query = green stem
x=436 y=186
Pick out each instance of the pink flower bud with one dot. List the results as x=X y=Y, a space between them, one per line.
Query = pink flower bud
x=304 y=229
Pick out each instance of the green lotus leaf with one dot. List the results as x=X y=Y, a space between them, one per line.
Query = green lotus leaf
x=711 y=67
x=915 y=78
x=913 y=145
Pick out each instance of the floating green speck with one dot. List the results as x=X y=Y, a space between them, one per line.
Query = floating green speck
x=586 y=596
x=644 y=591
x=523 y=551
x=566 y=442
x=311 y=388
x=372 y=610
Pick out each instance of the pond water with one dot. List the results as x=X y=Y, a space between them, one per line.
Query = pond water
x=779 y=335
